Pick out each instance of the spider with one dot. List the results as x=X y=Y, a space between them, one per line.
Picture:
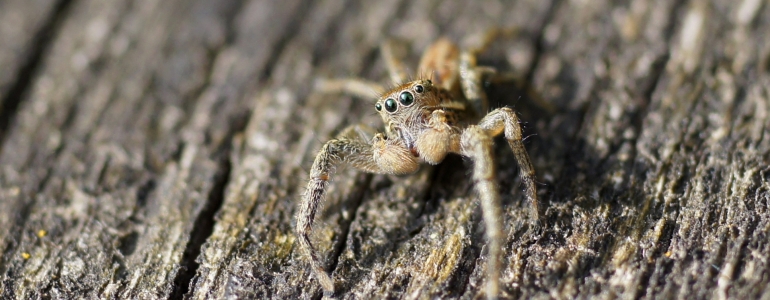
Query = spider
x=424 y=121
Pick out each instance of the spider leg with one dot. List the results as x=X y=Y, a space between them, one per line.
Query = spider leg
x=477 y=144
x=472 y=76
x=504 y=120
x=379 y=156
x=390 y=55
x=353 y=86
x=471 y=81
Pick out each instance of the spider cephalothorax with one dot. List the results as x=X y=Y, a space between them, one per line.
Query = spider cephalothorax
x=423 y=123
x=423 y=117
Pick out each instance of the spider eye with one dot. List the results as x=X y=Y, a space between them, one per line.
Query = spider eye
x=378 y=107
x=406 y=98
x=429 y=82
x=419 y=89
x=390 y=105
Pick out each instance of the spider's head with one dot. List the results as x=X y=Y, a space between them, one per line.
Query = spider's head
x=402 y=103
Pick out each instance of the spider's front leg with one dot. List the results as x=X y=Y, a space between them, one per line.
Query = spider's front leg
x=499 y=120
x=477 y=144
x=381 y=156
x=504 y=120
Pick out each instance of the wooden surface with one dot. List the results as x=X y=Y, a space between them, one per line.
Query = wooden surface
x=157 y=149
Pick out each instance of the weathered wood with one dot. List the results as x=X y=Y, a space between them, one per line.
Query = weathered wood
x=25 y=29
x=157 y=149
x=105 y=170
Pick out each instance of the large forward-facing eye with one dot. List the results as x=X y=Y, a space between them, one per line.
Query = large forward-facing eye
x=406 y=98
x=390 y=105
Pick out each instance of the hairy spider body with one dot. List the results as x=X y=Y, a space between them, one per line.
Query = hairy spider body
x=424 y=121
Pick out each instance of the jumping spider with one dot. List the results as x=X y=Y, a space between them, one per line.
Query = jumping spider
x=424 y=121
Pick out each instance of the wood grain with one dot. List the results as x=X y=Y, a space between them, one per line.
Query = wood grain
x=157 y=149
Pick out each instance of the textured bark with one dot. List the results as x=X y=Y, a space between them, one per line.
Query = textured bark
x=158 y=149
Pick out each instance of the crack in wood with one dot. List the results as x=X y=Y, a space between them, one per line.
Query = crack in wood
x=203 y=228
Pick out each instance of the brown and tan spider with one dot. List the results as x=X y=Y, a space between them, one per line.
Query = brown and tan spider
x=424 y=121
